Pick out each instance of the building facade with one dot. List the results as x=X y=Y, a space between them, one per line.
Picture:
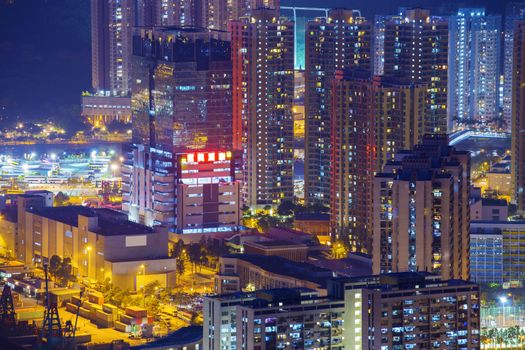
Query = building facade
x=410 y=311
x=111 y=29
x=263 y=92
x=415 y=44
x=513 y=11
x=518 y=116
x=373 y=118
x=102 y=110
x=501 y=255
x=353 y=159
x=208 y=197
x=340 y=41
x=486 y=253
x=393 y=311
x=254 y=271
x=474 y=72
x=421 y=211
x=182 y=130
x=273 y=319
x=101 y=243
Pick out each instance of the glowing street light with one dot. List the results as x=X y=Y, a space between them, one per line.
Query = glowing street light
x=503 y=300
x=88 y=251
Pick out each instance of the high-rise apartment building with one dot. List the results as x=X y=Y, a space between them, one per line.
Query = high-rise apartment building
x=373 y=118
x=212 y=14
x=474 y=68
x=340 y=41
x=263 y=91
x=518 y=115
x=111 y=29
x=414 y=44
x=409 y=311
x=399 y=116
x=392 y=311
x=273 y=319
x=177 y=12
x=513 y=11
x=353 y=157
x=182 y=131
x=421 y=211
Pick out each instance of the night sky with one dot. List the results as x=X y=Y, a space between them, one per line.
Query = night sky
x=45 y=50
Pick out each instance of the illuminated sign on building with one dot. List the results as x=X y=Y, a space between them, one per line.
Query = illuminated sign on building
x=204 y=157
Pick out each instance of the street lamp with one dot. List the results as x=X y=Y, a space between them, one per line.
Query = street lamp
x=114 y=167
x=88 y=250
x=503 y=300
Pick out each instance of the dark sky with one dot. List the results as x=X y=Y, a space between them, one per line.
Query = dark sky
x=44 y=56
x=45 y=50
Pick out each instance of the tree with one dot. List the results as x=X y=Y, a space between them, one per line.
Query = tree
x=315 y=241
x=194 y=253
x=151 y=288
x=54 y=265
x=61 y=199
x=118 y=126
x=246 y=210
x=178 y=248
x=266 y=222
x=180 y=266
x=286 y=208
x=64 y=272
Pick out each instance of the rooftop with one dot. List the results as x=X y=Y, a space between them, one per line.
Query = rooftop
x=494 y=202
x=186 y=335
x=110 y=222
x=10 y=213
x=285 y=267
x=264 y=297
x=312 y=217
x=276 y=243
x=402 y=281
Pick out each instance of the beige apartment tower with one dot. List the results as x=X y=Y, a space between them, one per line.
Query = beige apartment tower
x=421 y=211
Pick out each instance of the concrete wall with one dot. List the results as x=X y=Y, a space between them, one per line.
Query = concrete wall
x=129 y=274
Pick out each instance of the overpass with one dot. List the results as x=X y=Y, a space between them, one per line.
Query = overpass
x=458 y=136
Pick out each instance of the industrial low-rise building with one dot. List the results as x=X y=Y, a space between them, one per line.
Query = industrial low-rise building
x=101 y=243
x=8 y=226
x=187 y=338
x=252 y=272
x=285 y=249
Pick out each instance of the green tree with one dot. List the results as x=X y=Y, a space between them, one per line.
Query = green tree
x=194 y=254
x=180 y=266
x=178 y=248
x=54 y=265
x=61 y=199
x=65 y=272
x=118 y=126
x=286 y=208
x=246 y=212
